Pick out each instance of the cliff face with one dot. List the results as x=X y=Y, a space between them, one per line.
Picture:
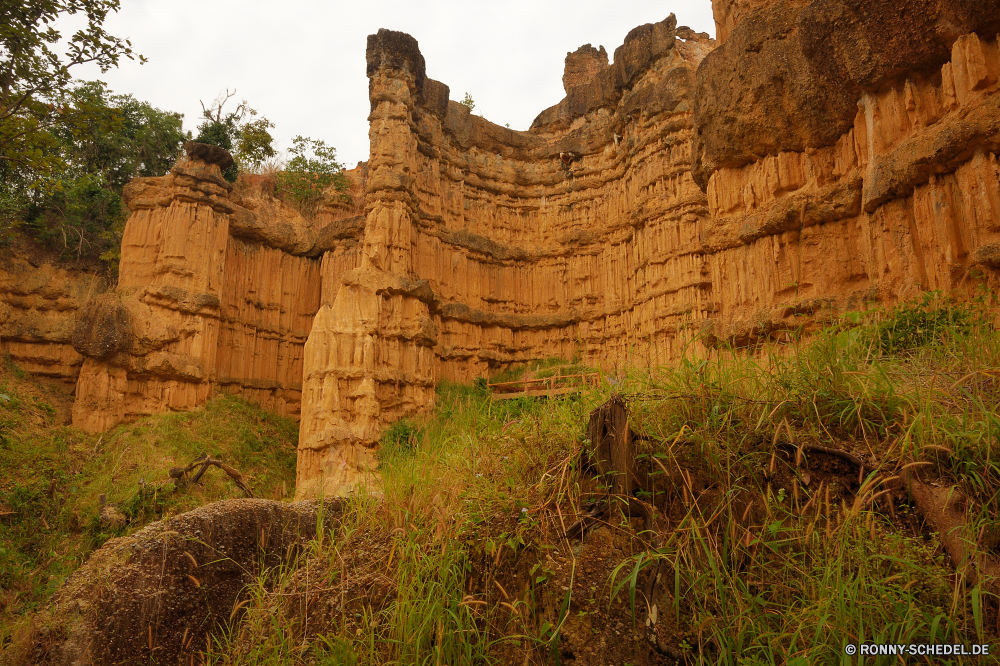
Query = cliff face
x=849 y=155
x=38 y=305
x=826 y=155
x=485 y=246
x=216 y=292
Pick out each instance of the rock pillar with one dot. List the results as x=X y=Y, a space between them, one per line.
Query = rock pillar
x=151 y=345
x=369 y=358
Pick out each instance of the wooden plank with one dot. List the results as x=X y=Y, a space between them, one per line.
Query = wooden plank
x=535 y=394
x=543 y=386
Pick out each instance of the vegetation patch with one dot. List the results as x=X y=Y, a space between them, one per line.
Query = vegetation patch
x=775 y=507
x=53 y=478
x=781 y=530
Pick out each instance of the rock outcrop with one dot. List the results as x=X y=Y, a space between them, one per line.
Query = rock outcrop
x=38 y=306
x=849 y=155
x=825 y=155
x=216 y=292
x=485 y=246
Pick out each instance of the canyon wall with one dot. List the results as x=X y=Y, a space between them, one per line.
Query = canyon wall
x=39 y=301
x=217 y=292
x=828 y=155
x=485 y=246
x=823 y=156
x=849 y=153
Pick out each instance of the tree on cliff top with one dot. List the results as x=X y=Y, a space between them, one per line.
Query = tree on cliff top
x=249 y=141
x=78 y=209
x=311 y=171
x=36 y=95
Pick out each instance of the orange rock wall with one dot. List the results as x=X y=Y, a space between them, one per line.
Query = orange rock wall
x=38 y=305
x=217 y=293
x=268 y=301
x=165 y=313
x=681 y=196
x=484 y=246
x=588 y=235
x=728 y=13
x=907 y=200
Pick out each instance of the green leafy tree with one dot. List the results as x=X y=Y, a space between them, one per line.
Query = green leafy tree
x=136 y=140
x=255 y=143
x=36 y=95
x=311 y=171
x=469 y=102
x=79 y=208
x=249 y=141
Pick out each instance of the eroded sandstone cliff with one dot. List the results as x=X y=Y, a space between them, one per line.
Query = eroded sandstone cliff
x=849 y=155
x=826 y=155
x=217 y=291
x=39 y=300
x=846 y=154
x=485 y=246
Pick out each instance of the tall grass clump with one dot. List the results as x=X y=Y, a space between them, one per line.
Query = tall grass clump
x=780 y=527
x=767 y=549
x=790 y=565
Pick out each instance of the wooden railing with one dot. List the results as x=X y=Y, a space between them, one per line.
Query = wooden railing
x=543 y=386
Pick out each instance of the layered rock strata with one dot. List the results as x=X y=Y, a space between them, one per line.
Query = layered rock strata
x=828 y=155
x=38 y=306
x=216 y=292
x=485 y=246
x=849 y=152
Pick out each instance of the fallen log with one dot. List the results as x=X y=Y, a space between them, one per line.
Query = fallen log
x=179 y=474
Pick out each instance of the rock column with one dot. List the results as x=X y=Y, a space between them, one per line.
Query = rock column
x=369 y=358
x=151 y=345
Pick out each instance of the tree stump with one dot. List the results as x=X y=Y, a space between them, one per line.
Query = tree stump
x=613 y=444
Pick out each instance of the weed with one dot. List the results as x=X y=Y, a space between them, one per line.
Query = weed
x=918 y=324
x=767 y=548
x=761 y=560
x=399 y=439
x=52 y=479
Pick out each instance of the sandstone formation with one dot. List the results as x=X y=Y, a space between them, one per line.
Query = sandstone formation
x=216 y=292
x=825 y=155
x=849 y=155
x=38 y=306
x=485 y=246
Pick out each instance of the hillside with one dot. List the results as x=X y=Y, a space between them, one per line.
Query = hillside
x=794 y=500
x=53 y=476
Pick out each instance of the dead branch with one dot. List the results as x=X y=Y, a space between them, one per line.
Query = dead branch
x=596 y=513
x=840 y=453
x=944 y=509
x=179 y=474
x=217 y=105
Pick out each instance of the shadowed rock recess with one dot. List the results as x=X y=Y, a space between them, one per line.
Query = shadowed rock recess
x=822 y=155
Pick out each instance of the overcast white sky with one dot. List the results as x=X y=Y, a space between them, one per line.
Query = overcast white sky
x=302 y=63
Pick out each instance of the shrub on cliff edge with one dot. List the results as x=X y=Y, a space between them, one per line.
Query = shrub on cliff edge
x=312 y=169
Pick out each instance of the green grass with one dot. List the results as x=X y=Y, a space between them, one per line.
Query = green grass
x=52 y=476
x=757 y=565
x=458 y=557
